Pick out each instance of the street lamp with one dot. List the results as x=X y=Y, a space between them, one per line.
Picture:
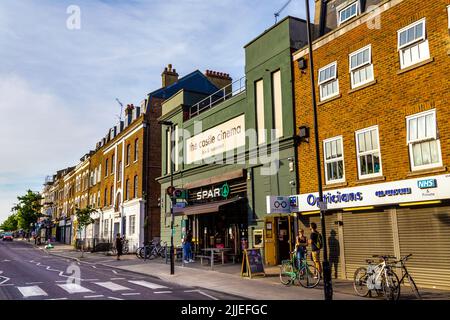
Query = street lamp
x=172 y=142
x=328 y=288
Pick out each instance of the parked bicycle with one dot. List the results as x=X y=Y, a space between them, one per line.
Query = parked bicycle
x=145 y=251
x=307 y=275
x=380 y=278
x=158 y=251
x=406 y=275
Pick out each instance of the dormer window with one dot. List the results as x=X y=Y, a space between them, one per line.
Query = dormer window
x=348 y=12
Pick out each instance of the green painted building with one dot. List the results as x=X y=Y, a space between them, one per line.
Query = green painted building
x=233 y=149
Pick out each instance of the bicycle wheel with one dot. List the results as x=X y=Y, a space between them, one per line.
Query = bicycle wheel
x=308 y=276
x=414 y=287
x=162 y=253
x=140 y=253
x=286 y=272
x=360 y=282
x=391 y=286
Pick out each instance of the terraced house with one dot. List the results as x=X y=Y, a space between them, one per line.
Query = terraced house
x=232 y=149
x=383 y=107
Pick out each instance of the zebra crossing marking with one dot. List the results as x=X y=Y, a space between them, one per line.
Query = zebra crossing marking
x=73 y=288
x=32 y=291
x=147 y=284
x=112 y=286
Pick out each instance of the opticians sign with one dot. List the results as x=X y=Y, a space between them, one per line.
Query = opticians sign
x=403 y=191
x=217 y=140
x=277 y=204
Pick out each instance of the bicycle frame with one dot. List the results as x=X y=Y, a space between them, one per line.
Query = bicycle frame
x=379 y=270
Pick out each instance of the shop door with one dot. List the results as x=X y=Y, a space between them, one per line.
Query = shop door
x=270 y=241
x=283 y=237
x=366 y=234
x=425 y=233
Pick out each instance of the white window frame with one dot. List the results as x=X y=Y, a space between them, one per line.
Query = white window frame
x=334 y=160
x=364 y=65
x=134 y=225
x=329 y=80
x=277 y=100
x=433 y=137
x=448 y=16
x=259 y=102
x=359 y=154
x=345 y=6
x=416 y=42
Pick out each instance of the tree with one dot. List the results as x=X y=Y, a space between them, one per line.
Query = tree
x=10 y=224
x=83 y=220
x=28 y=210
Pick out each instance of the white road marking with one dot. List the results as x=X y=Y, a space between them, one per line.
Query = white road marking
x=112 y=286
x=57 y=299
x=28 y=283
x=201 y=292
x=148 y=284
x=114 y=298
x=32 y=291
x=74 y=288
x=114 y=271
x=131 y=294
x=8 y=284
x=6 y=260
x=96 y=296
x=162 y=292
x=94 y=267
x=118 y=278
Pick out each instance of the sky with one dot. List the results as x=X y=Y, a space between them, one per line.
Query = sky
x=63 y=64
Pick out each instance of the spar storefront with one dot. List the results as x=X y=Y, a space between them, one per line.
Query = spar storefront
x=393 y=218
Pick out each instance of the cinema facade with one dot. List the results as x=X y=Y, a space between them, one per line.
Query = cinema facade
x=227 y=158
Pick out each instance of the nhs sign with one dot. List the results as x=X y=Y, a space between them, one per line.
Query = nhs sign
x=427 y=183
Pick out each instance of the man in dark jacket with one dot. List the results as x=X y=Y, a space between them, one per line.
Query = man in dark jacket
x=119 y=246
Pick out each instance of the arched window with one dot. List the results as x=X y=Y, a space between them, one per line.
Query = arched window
x=135 y=195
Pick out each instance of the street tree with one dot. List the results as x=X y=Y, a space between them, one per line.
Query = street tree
x=83 y=220
x=28 y=210
x=10 y=224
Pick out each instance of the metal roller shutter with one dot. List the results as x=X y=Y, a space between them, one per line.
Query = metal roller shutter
x=332 y=239
x=425 y=233
x=366 y=234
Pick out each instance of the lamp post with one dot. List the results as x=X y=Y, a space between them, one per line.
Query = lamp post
x=328 y=288
x=172 y=143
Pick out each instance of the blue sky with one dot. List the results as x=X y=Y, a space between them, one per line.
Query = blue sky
x=58 y=86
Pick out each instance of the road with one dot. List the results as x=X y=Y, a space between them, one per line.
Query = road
x=29 y=273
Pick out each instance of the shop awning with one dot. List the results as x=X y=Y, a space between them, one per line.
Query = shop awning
x=211 y=207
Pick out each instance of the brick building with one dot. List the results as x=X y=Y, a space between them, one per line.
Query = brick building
x=382 y=88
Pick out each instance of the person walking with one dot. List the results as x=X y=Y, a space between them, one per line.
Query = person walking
x=315 y=240
x=187 y=247
x=119 y=246
x=300 y=247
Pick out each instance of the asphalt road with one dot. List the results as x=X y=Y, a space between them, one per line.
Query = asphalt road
x=31 y=274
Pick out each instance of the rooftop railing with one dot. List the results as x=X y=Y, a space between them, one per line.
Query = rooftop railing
x=217 y=97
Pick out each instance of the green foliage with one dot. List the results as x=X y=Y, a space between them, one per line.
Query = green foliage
x=28 y=210
x=84 y=217
x=10 y=224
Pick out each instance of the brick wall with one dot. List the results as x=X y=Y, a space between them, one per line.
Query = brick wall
x=385 y=103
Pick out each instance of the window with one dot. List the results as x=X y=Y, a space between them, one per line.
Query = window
x=92 y=179
x=119 y=169
x=277 y=104
x=132 y=225
x=112 y=164
x=105 y=198
x=98 y=199
x=348 y=12
x=135 y=195
x=412 y=44
x=361 y=67
x=368 y=153
x=448 y=14
x=128 y=153
x=176 y=151
x=136 y=149
x=105 y=228
x=106 y=168
x=423 y=142
x=259 y=88
x=127 y=191
x=99 y=173
x=168 y=151
x=111 y=196
x=328 y=81
x=334 y=160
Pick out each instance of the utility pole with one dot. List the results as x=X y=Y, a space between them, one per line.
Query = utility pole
x=328 y=288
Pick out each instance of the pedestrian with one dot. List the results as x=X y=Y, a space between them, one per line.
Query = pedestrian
x=187 y=247
x=315 y=240
x=119 y=246
x=300 y=247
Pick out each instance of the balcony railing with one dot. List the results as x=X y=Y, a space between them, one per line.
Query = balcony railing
x=217 y=97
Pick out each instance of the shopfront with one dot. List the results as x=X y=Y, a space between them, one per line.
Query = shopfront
x=394 y=218
x=216 y=214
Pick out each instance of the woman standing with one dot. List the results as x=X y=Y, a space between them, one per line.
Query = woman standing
x=119 y=246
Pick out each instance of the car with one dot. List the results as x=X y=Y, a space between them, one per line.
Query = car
x=1 y=235
x=7 y=236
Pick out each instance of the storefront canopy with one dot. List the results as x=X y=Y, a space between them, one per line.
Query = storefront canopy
x=211 y=207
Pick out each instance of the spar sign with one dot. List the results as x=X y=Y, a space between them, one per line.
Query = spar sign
x=277 y=204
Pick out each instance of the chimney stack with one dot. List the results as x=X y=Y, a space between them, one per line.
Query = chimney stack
x=219 y=79
x=169 y=76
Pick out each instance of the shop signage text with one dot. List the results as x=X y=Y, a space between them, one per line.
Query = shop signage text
x=277 y=204
x=427 y=184
x=223 y=191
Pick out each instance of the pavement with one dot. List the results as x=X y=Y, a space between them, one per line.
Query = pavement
x=28 y=273
x=226 y=279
